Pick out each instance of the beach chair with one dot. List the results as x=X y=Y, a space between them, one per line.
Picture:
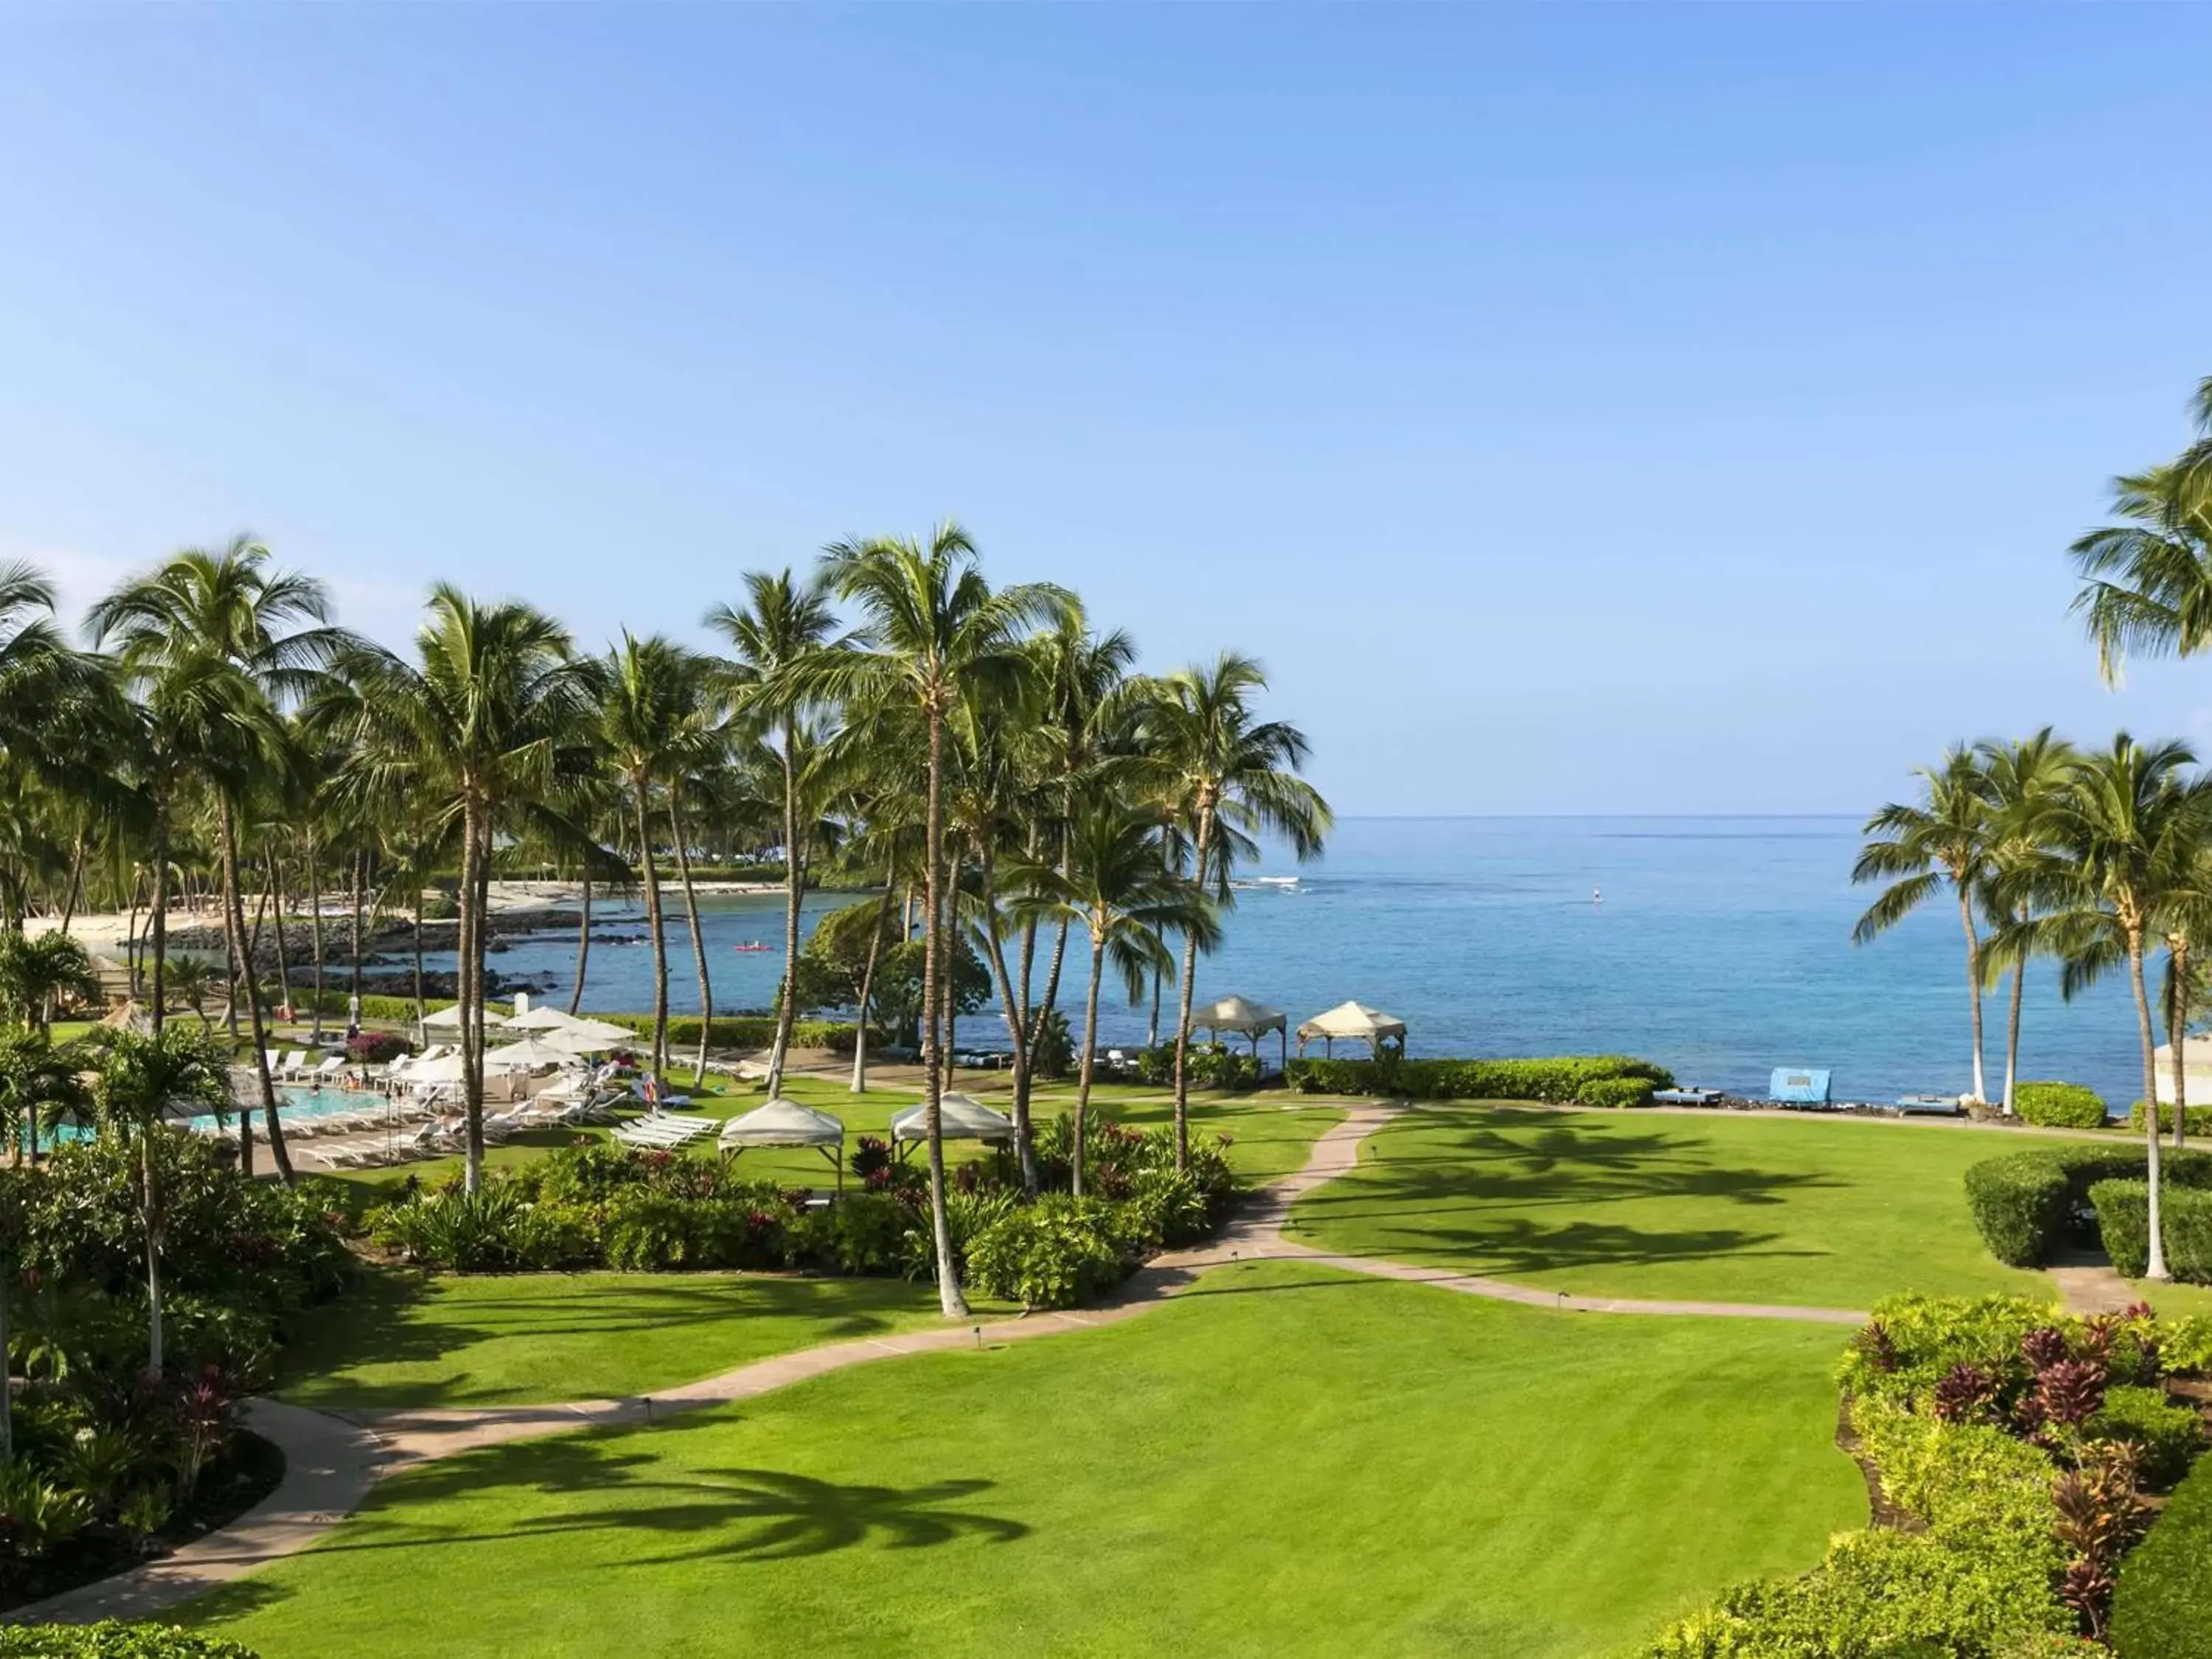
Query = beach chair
x=289 y=1068
x=274 y=1059
x=331 y=1066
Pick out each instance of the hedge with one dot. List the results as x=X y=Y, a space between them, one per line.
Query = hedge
x=391 y=1011
x=746 y=1031
x=1619 y=1091
x=2023 y=1203
x=2164 y=1603
x=1559 y=1081
x=2195 y=1120
x=2185 y=1218
x=111 y=1638
x=2059 y=1105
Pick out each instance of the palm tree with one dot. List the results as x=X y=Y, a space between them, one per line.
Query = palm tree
x=2019 y=781
x=191 y=980
x=142 y=1080
x=936 y=637
x=1228 y=776
x=1917 y=847
x=652 y=726
x=260 y=638
x=2146 y=581
x=2127 y=831
x=784 y=625
x=1118 y=889
x=36 y=974
x=481 y=731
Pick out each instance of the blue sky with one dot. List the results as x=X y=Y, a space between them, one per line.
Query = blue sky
x=1578 y=409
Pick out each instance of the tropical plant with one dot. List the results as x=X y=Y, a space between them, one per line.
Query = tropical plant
x=935 y=637
x=1919 y=848
x=1227 y=775
x=2019 y=781
x=775 y=636
x=481 y=733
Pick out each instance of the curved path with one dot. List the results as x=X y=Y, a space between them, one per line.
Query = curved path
x=332 y=1459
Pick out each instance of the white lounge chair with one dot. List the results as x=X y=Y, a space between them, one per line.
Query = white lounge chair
x=289 y=1066
x=331 y=1066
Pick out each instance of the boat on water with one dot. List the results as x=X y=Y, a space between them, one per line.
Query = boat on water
x=752 y=945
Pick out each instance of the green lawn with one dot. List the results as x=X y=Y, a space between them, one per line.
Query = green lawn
x=406 y=1339
x=1269 y=1134
x=1285 y=1460
x=2175 y=1299
x=1834 y=1213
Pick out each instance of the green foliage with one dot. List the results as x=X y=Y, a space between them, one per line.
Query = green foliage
x=1055 y=1253
x=471 y=1233
x=1560 y=1081
x=1052 y=1046
x=2059 y=1105
x=1210 y=1065
x=111 y=1638
x=2167 y=1433
x=1618 y=1091
x=2197 y=1119
x=2024 y=1202
x=742 y=1030
x=2185 y=1218
x=1877 y=1595
x=2163 y=1609
x=2184 y=1346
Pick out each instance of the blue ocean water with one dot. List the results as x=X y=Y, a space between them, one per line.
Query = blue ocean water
x=1721 y=948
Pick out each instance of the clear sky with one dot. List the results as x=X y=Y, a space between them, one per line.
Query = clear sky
x=1594 y=409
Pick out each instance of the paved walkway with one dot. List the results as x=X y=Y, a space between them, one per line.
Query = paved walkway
x=333 y=1458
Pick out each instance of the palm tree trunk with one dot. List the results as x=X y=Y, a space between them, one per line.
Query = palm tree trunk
x=698 y=942
x=639 y=786
x=278 y=1151
x=867 y=986
x=1017 y=1030
x=2156 y=1268
x=130 y=954
x=159 y=928
x=2176 y=1028
x=1190 y=979
x=315 y=935
x=465 y=986
x=2012 y=1025
x=153 y=1249
x=420 y=1010
x=1974 y=973
x=7 y=1391
x=785 y=1001
x=583 y=941
x=1052 y=969
x=276 y=870
x=1090 y=1059
x=358 y=879
x=1152 y=1027
x=948 y=1273
x=69 y=907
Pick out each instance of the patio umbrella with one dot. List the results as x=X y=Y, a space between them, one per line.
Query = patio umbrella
x=540 y=1018
x=447 y=1068
x=449 y=1015
x=531 y=1053
x=591 y=1036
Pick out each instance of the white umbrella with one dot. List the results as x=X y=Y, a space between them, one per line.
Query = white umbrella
x=590 y=1036
x=531 y=1053
x=447 y=1069
x=451 y=1015
x=540 y=1018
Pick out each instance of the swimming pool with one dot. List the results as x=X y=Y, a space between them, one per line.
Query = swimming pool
x=295 y=1102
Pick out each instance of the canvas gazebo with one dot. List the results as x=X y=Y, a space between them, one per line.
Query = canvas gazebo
x=1248 y=1019
x=782 y=1122
x=960 y=1117
x=1351 y=1021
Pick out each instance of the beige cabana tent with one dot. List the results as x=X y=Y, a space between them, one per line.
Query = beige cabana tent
x=1351 y=1022
x=1245 y=1018
x=787 y=1123
x=960 y=1117
x=2197 y=1071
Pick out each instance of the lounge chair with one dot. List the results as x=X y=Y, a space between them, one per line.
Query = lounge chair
x=331 y=1066
x=1686 y=1096
x=274 y=1059
x=289 y=1066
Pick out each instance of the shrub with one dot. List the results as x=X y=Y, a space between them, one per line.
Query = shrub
x=2167 y=1434
x=2185 y=1218
x=112 y=1639
x=1054 y=1252
x=2197 y=1119
x=2184 y=1346
x=1616 y=1091
x=1878 y=1595
x=862 y=1233
x=746 y=1031
x=2023 y=1203
x=2059 y=1105
x=472 y=1232
x=375 y=1048
x=1559 y=1081
x=2160 y=1610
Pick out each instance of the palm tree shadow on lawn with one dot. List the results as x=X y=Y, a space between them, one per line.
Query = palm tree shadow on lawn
x=1437 y=1202
x=378 y=1323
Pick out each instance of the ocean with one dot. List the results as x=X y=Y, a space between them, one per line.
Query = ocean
x=1720 y=947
